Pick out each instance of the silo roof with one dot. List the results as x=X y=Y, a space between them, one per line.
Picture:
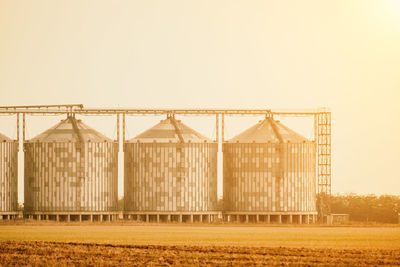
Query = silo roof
x=269 y=130
x=70 y=130
x=170 y=130
x=4 y=138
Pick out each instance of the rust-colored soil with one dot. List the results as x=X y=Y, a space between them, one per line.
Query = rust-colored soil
x=18 y=253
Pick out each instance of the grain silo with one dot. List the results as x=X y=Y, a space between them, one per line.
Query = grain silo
x=8 y=177
x=71 y=173
x=170 y=174
x=269 y=175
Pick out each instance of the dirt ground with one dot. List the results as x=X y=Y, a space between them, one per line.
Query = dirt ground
x=20 y=253
x=196 y=245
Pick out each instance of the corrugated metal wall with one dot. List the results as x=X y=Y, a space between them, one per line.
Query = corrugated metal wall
x=251 y=177
x=60 y=177
x=170 y=177
x=8 y=176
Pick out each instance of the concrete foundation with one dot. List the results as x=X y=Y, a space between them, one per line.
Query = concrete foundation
x=8 y=215
x=167 y=217
x=72 y=216
x=270 y=217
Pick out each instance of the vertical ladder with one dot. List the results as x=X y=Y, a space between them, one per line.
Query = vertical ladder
x=323 y=142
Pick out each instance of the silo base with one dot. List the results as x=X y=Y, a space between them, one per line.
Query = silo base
x=271 y=217
x=72 y=216
x=8 y=215
x=180 y=217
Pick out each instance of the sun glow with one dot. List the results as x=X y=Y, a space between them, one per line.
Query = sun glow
x=392 y=10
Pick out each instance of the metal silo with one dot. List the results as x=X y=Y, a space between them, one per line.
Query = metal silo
x=170 y=174
x=71 y=173
x=8 y=178
x=269 y=175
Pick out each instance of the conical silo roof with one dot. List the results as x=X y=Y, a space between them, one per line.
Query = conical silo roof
x=70 y=130
x=4 y=138
x=269 y=130
x=170 y=130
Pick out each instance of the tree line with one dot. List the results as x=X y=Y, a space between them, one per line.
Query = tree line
x=362 y=208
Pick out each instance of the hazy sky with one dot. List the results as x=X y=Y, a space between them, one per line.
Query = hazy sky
x=217 y=54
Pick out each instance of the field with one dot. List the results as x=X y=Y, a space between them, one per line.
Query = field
x=138 y=244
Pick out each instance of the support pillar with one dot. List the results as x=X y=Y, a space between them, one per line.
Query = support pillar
x=257 y=218
x=308 y=219
x=268 y=219
x=80 y=217
x=91 y=217
x=180 y=218
x=290 y=218
x=247 y=218
x=68 y=218
x=279 y=218
x=169 y=218
x=57 y=218
x=201 y=218
x=300 y=219
x=158 y=218
x=217 y=128
x=222 y=127
x=147 y=218
x=101 y=217
x=191 y=218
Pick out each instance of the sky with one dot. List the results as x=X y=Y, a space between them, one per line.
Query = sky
x=341 y=54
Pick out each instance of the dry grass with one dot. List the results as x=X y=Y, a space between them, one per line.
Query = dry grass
x=321 y=237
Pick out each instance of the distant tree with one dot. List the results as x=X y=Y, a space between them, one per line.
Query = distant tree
x=323 y=205
x=220 y=204
x=121 y=204
x=368 y=208
x=20 y=206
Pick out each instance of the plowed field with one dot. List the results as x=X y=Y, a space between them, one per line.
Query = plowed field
x=223 y=245
x=59 y=253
